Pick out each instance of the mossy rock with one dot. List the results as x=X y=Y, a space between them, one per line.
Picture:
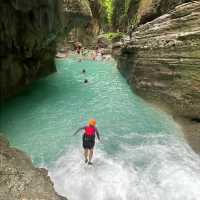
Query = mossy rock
x=112 y=36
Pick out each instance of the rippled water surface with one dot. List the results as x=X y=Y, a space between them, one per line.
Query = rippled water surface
x=142 y=155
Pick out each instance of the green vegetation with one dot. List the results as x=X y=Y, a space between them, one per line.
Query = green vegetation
x=127 y=5
x=124 y=14
x=108 y=5
x=113 y=36
x=115 y=15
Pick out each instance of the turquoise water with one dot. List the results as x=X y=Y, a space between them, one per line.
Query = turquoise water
x=142 y=154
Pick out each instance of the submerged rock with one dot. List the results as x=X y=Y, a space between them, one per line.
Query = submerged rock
x=20 y=179
x=162 y=62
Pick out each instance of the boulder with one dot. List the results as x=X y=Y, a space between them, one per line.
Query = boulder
x=103 y=41
x=20 y=180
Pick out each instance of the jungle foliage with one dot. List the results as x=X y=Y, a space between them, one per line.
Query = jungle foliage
x=120 y=14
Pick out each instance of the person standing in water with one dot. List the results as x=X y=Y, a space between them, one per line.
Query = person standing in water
x=89 y=139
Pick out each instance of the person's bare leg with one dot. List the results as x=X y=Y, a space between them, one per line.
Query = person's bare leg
x=90 y=155
x=86 y=152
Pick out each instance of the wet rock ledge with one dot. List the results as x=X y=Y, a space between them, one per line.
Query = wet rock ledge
x=20 y=180
x=162 y=64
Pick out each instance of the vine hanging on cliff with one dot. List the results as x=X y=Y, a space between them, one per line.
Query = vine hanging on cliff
x=108 y=4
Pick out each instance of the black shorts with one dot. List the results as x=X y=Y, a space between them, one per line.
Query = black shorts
x=88 y=142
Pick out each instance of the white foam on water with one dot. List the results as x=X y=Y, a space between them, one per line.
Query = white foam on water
x=106 y=179
x=145 y=172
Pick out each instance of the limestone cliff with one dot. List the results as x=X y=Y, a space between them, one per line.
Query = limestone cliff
x=77 y=13
x=162 y=62
x=20 y=180
x=88 y=31
x=151 y=9
x=134 y=12
x=29 y=31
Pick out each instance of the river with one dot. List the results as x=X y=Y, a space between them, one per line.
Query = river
x=142 y=155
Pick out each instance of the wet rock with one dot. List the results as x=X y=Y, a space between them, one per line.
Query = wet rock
x=103 y=42
x=162 y=62
x=20 y=179
x=29 y=31
x=107 y=51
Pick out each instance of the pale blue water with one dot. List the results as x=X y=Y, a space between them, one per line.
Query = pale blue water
x=142 y=154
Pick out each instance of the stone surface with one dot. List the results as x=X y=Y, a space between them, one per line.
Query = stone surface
x=151 y=9
x=162 y=62
x=87 y=31
x=76 y=13
x=20 y=179
x=128 y=14
x=29 y=31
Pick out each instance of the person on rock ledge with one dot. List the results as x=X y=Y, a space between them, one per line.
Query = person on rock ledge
x=89 y=139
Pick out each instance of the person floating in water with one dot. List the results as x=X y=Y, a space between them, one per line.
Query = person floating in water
x=89 y=139
x=83 y=71
x=85 y=81
x=78 y=48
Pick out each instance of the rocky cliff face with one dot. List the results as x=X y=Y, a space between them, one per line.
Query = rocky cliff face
x=134 y=12
x=162 y=62
x=87 y=31
x=151 y=9
x=77 y=13
x=20 y=180
x=29 y=31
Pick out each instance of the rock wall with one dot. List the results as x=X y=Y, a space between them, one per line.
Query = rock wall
x=20 y=180
x=151 y=9
x=87 y=33
x=29 y=31
x=162 y=62
x=77 y=13
x=135 y=12
x=27 y=42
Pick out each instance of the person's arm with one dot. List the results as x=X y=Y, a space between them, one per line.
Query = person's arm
x=79 y=130
x=97 y=133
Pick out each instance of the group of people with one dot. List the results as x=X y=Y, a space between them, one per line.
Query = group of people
x=90 y=131
x=96 y=54
x=80 y=50
x=86 y=80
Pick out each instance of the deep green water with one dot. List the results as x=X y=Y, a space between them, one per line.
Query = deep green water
x=142 y=154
